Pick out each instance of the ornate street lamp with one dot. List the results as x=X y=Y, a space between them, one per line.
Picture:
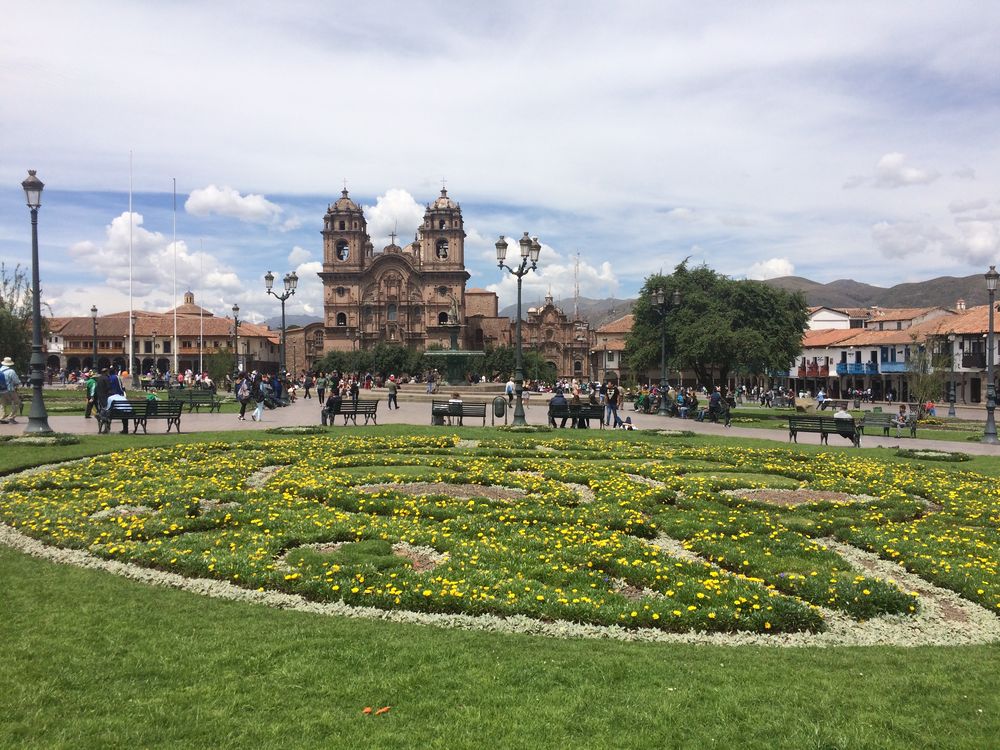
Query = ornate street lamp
x=664 y=308
x=93 y=315
x=530 y=250
x=291 y=281
x=951 y=383
x=236 y=336
x=990 y=433
x=38 y=418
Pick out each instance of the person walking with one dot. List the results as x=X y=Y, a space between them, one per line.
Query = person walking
x=258 y=394
x=10 y=400
x=243 y=394
x=321 y=386
x=611 y=404
x=393 y=389
x=91 y=404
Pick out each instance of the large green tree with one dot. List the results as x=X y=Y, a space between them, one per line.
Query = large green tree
x=722 y=325
x=15 y=316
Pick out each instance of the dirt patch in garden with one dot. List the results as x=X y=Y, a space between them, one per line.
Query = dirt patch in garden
x=460 y=491
x=422 y=559
x=260 y=477
x=123 y=511
x=791 y=498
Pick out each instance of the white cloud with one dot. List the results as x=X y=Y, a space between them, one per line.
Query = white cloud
x=958 y=207
x=770 y=269
x=893 y=172
x=395 y=211
x=153 y=268
x=907 y=238
x=298 y=255
x=226 y=201
x=308 y=297
x=555 y=274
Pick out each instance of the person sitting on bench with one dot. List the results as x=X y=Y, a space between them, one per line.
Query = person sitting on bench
x=332 y=407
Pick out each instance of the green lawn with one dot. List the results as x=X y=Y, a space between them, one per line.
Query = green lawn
x=92 y=660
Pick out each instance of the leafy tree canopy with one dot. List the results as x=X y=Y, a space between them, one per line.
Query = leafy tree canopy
x=15 y=316
x=721 y=326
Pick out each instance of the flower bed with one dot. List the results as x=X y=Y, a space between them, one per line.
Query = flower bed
x=572 y=536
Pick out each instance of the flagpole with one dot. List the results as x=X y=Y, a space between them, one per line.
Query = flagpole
x=201 y=309
x=174 y=344
x=131 y=308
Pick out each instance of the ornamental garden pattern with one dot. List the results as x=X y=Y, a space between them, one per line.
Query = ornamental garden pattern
x=656 y=536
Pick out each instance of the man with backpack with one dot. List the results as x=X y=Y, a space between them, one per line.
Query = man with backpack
x=10 y=401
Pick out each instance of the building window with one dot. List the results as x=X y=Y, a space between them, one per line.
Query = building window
x=341 y=322
x=343 y=250
x=578 y=367
x=390 y=312
x=442 y=249
x=611 y=357
x=442 y=318
x=341 y=227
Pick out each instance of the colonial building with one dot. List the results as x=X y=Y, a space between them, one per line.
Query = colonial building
x=413 y=295
x=200 y=333
x=565 y=343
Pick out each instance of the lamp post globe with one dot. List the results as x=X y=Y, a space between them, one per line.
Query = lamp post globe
x=38 y=418
x=530 y=248
x=291 y=281
x=664 y=307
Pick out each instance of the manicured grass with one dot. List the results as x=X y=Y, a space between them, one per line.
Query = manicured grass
x=91 y=660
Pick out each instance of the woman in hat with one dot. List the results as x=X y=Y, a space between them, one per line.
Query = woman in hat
x=9 y=400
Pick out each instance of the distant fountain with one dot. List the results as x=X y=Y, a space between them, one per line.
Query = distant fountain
x=452 y=363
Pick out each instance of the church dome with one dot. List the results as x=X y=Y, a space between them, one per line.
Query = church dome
x=344 y=203
x=444 y=201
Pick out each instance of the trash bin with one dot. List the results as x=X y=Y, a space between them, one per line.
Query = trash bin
x=857 y=403
x=499 y=409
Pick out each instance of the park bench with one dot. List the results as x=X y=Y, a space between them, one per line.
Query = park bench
x=196 y=398
x=351 y=410
x=885 y=421
x=140 y=411
x=825 y=426
x=583 y=411
x=440 y=410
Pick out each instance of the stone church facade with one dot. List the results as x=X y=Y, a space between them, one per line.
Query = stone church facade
x=416 y=295
x=412 y=295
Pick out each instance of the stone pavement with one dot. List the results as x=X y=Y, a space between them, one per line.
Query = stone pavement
x=415 y=409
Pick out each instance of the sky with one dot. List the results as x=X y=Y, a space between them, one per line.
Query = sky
x=825 y=140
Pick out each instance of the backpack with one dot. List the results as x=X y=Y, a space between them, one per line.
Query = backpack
x=3 y=381
x=243 y=393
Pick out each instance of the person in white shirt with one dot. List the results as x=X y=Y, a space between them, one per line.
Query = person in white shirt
x=10 y=400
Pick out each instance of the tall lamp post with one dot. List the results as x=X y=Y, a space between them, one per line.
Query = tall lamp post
x=236 y=336
x=990 y=433
x=93 y=315
x=530 y=249
x=291 y=281
x=38 y=418
x=951 y=383
x=660 y=296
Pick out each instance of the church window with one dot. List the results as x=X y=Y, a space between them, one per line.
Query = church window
x=343 y=250
x=341 y=291
x=441 y=224
x=442 y=290
x=442 y=249
x=442 y=318
x=391 y=312
x=368 y=313
x=341 y=319
x=578 y=367
x=342 y=226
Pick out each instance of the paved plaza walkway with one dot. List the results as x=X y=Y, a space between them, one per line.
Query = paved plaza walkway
x=415 y=409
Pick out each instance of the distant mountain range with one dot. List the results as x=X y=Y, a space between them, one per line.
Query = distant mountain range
x=944 y=291
x=291 y=320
